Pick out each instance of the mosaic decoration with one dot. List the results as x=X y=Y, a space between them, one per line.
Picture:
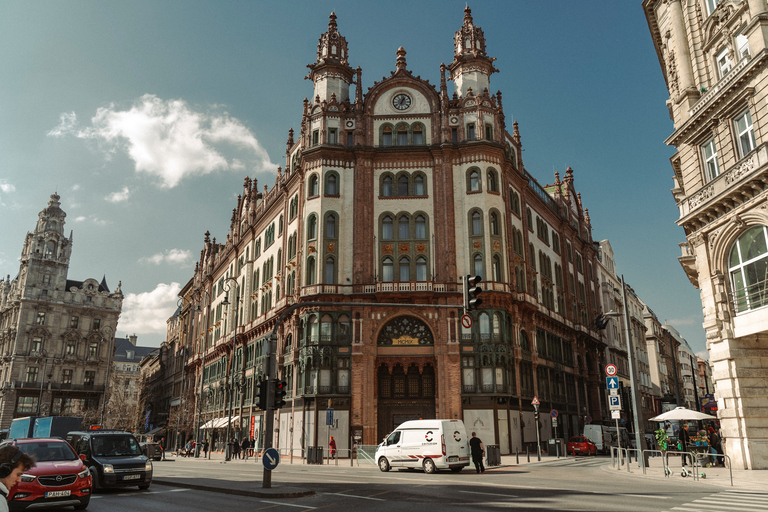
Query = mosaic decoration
x=406 y=330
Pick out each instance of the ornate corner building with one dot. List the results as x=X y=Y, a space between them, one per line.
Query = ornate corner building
x=714 y=57
x=388 y=197
x=56 y=334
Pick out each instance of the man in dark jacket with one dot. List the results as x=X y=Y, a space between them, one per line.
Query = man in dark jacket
x=685 y=438
x=245 y=446
x=477 y=448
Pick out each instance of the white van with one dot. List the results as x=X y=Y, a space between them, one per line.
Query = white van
x=427 y=444
x=604 y=437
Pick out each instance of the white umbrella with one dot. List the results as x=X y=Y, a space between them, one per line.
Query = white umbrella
x=681 y=413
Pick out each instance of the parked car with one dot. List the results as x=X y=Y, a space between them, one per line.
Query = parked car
x=114 y=458
x=59 y=479
x=152 y=451
x=581 y=445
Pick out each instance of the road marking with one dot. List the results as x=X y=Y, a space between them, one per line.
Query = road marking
x=490 y=494
x=287 y=504
x=379 y=493
x=270 y=506
x=352 y=496
x=636 y=495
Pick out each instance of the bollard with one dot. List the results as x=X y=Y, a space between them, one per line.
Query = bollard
x=517 y=457
x=557 y=449
x=528 y=451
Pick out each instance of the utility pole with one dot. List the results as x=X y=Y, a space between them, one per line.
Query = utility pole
x=636 y=399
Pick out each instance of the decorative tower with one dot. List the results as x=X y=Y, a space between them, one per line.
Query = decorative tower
x=331 y=73
x=471 y=67
x=46 y=252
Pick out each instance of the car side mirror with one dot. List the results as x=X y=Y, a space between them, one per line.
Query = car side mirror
x=82 y=456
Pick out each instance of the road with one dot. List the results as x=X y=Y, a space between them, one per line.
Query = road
x=565 y=484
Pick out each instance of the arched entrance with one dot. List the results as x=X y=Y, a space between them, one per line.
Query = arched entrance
x=405 y=373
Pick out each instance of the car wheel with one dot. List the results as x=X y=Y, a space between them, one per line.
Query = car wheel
x=95 y=479
x=144 y=487
x=83 y=503
x=383 y=464
x=429 y=466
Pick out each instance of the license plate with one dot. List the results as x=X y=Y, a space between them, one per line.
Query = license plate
x=453 y=459
x=131 y=477
x=57 y=494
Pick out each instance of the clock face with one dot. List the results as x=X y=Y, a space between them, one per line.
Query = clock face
x=401 y=101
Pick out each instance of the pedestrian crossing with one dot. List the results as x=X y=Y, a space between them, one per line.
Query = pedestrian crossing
x=731 y=500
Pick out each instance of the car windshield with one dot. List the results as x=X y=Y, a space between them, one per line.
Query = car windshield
x=115 y=446
x=46 y=451
x=577 y=440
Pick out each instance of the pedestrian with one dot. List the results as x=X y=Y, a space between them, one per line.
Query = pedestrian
x=245 y=446
x=477 y=448
x=235 y=448
x=252 y=445
x=716 y=446
x=685 y=438
x=332 y=448
x=13 y=463
x=161 y=444
x=205 y=448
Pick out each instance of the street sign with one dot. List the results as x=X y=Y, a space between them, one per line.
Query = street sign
x=614 y=403
x=466 y=321
x=535 y=401
x=554 y=421
x=610 y=370
x=612 y=382
x=587 y=419
x=270 y=459
x=615 y=415
x=329 y=417
x=553 y=413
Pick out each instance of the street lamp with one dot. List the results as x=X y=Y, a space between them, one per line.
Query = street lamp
x=198 y=435
x=230 y=376
x=108 y=332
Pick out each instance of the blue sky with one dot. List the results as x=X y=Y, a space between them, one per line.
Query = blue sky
x=146 y=116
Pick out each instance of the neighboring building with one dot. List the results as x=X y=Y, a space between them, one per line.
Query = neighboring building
x=662 y=363
x=123 y=409
x=704 y=377
x=153 y=414
x=688 y=370
x=387 y=199
x=714 y=59
x=55 y=333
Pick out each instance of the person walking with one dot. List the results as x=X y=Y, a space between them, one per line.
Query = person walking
x=205 y=448
x=235 y=449
x=245 y=446
x=332 y=448
x=716 y=446
x=477 y=448
x=251 y=446
x=161 y=443
x=14 y=463
x=685 y=438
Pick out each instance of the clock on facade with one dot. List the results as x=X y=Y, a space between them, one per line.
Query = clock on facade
x=401 y=101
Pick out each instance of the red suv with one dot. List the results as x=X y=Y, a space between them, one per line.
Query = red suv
x=59 y=479
x=581 y=444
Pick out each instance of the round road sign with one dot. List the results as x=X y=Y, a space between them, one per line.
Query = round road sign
x=587 y=419
x=466 y=321
x=553 y=413
x=610 y=370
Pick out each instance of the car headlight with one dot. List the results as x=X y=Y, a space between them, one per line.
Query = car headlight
x=84 y=473
x=28 y=478
x=108 y=468
x=148 y=465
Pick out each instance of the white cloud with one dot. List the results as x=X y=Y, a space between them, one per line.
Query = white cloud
x=171 y=141
x=76 y=186
x=119 y=197
x=175 y=256
x=704 y=354
x=147 y=313
x=92 y=219
x=6 y=188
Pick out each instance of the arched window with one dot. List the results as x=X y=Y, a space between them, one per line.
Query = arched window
x=330 y=226
x=474 y=180
x=418 y=185
x=403 y=228
x=386 y=136
x=421 y=227
x=494 y=221
x=493 y=182
x=421 y=269
x=497 y=269
x=331 y=188
x=330 y=270
x=405 y=269
x=477 y=223
x=524 y=343
x=310 y=270
x=485 y=326
x=748 y=266
x=312 y=227
x=418 y=135
x=313 y=185
x=478 y=264
x=386 y=186
x=402 y=185
x=386 y=228
x=402 y=135
x=387 y=270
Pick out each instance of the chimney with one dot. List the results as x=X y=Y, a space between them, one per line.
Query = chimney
x=132 y=339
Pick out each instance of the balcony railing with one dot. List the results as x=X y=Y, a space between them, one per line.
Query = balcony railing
x=752 y=296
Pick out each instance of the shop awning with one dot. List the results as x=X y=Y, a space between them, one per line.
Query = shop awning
x=219 y=422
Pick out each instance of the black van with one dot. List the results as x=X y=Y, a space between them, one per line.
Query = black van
x=114 y=458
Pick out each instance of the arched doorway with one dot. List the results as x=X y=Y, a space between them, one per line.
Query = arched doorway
x=405 y=373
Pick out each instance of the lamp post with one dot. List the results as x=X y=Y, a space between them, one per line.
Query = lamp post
x=230 y=373
x=42 y=381
x=199 y=433
x=108 y=332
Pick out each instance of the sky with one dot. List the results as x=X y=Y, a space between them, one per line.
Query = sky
x=146 y=116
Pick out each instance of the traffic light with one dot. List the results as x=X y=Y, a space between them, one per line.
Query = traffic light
x=280 y=389
x=262 y=386
x=472 y=290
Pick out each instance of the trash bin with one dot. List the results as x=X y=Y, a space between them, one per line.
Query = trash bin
x=492 y=455
x=556 y=447
x=315 y=455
